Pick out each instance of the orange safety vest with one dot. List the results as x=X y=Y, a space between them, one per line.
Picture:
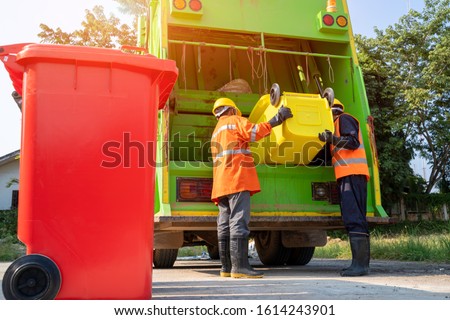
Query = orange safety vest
x=349 y=162
x=233 y=166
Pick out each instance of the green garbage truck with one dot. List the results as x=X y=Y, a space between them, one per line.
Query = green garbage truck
x=260 y=54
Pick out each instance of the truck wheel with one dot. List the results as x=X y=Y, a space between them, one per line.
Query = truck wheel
x=213 y=252
x=300 y=256
x=164 y=258
x=270 y=249
x=31 y=277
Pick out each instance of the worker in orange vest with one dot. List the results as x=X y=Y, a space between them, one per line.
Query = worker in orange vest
x=352 y=173
x=235 y=180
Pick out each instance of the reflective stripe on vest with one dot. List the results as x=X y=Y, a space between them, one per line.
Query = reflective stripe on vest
x=222 y=128
x=335 y=149
x=232 y=152
x=349 y=162
x=253 y=135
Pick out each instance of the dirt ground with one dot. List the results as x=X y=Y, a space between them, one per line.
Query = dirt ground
x=193 y=279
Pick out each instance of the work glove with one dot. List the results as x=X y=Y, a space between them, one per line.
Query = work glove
x=326 y=136
x=340 y=142
x=282 y=115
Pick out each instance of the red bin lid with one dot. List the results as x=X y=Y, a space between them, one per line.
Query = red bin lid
x=8 y=55
x=20 y=55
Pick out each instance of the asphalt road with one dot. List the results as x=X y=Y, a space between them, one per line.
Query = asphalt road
x=319 y=280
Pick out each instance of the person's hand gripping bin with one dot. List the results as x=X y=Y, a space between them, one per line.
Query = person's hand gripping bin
x=87 y=169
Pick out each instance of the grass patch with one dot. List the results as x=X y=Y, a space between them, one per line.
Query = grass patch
x=413 y=248
x=420 y=241
x=336 y=248
x=192 y=251
x=8 y=223
x=10 y=249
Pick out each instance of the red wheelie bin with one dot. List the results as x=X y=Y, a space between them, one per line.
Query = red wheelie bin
x=87 y=169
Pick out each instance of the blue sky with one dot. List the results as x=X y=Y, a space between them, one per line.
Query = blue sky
x=20 y=23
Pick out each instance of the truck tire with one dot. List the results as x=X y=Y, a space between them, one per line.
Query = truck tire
x=32 y=277
x=300 y=256
x=270 y=250
x=164 y=258
x=213 y=252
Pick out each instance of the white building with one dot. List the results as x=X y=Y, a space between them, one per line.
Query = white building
x=9 y=170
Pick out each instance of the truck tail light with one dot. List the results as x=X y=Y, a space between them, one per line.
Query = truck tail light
x=195 y=5
x=332 y=22
x=341 y=21
x=328 y=20
x=179 y=4
x=194 y=189
x=320 y=191
x=334 y=193
x=180 y=9
x=325 y=191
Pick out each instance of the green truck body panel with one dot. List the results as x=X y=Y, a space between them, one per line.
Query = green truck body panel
x=259 y=42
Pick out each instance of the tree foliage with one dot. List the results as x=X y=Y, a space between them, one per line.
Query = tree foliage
x=408 y=84
x=97 y=31
x=417 y=56
x=394 y=151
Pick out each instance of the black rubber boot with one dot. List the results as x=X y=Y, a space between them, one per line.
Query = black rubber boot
x=240 y=267
x=225 y=259
x=361 y=257
x=352 y=265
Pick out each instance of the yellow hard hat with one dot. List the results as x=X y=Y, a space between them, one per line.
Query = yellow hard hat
x=337 y=106
x=225 y=102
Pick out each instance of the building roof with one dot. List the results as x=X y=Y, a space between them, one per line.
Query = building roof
x=10 y=157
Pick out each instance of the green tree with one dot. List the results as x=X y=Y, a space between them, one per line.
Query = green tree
x=394 y=151
x=98 y=31
x=416 y=57
x=444 y=184
x=12 y=182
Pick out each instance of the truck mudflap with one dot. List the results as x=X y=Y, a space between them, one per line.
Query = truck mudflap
x=168 y=223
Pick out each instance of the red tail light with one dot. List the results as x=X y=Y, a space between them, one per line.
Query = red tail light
x=194 y=189
x=328 y=20
x=195 y=5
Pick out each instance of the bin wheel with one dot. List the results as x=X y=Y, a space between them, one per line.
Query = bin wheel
x=328 y=93
x=31 y=277
x=275 y=94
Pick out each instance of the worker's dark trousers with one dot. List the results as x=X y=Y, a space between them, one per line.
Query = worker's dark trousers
x=353 y=197
x=234 y=215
